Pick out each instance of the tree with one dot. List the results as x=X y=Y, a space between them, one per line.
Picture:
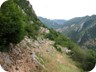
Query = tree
x=11 y=23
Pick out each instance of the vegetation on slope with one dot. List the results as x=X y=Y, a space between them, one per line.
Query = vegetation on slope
x=54 y=61
x=55 y=23
x=86 y=59
x=80 y=29
x=11 y=24
x=16 y=22
x=17 y=19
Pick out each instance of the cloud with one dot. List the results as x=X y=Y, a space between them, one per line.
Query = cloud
x=65 y=9
x=1 y=1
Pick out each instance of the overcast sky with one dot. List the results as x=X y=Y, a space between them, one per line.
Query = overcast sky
x=1 y=1
x=64 y=9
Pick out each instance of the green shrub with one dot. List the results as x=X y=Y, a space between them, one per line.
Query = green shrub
x=12 y=28
x=32 y=30
x=85 y=59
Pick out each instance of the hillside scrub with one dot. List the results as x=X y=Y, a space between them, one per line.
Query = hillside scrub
x=17 y=19
x=14 y=25
x=11 y=24
x=85 y=59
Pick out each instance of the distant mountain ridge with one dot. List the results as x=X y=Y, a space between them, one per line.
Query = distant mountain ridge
x=80 y=29
x=55 y=23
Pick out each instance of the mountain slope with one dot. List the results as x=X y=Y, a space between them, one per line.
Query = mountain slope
x=37 y=56
x=82 y=32
x=56 y=23
x=38 y=49
x=80 y=29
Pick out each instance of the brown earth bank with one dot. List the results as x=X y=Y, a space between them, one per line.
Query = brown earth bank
x=18 y=59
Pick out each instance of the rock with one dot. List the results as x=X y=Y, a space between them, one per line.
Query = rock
x=66 y=50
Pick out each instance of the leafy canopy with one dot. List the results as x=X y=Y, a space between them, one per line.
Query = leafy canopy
x=11 y=23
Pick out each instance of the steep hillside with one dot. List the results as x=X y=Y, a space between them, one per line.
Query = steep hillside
x=36 y=56
x=55 y=24
x=26 y=45
x=82 y=31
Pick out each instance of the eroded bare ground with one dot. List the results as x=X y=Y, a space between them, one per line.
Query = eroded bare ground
x=34 y=56
x=19 y=58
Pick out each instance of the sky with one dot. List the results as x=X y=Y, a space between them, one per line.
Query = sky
x=1 y=1
x=64 y=9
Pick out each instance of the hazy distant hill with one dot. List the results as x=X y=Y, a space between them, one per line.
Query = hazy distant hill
x=56 y=23
x=80 y=29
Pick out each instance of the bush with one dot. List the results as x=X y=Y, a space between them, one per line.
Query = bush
x=12 y=28
x=85 y=59
x=32 y=30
